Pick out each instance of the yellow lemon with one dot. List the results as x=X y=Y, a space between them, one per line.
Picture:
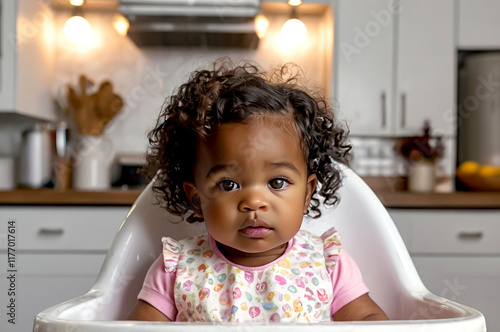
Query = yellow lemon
x=468 y=168
x=487 y=171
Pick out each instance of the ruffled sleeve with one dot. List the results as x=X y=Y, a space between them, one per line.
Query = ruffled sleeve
x=331 y=248
x=171 y=253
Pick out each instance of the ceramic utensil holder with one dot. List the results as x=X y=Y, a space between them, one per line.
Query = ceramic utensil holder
x=7 y=176
x=422 y=177
x=92 y=163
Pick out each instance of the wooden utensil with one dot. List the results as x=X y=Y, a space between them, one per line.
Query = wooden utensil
x=93 y=112
x=109 y=104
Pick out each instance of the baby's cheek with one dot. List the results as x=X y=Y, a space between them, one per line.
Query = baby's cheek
x=222 y=209
x=206 y=195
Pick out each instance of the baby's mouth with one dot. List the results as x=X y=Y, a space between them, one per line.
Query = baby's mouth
x=255 y=228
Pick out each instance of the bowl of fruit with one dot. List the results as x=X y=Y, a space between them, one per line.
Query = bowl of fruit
x=479 y=177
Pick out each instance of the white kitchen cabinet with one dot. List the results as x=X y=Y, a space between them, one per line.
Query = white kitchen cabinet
x=58 y=254
x=394 y=66
x=27 y=44
x=426 y=79
x=364 y=65
x=478 y=25
x=457 y=255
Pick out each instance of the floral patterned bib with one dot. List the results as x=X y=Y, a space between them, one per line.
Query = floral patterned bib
x=295 y=288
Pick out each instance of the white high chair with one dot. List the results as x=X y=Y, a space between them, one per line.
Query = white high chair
x=368 y=233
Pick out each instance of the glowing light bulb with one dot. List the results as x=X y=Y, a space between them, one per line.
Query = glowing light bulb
x=261 y=25
x=294 y=2
x=294 y=31
x=76 y=2
x=121 y=24
x=77 y=29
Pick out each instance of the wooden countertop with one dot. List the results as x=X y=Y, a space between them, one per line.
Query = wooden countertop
x=68 y=197
x=390 y=192
x=387 y=189
x=453 y=200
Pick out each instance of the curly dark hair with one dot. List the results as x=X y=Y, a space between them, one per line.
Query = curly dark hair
x=233 y=94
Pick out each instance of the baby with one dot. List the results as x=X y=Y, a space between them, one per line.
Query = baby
x=250 y=154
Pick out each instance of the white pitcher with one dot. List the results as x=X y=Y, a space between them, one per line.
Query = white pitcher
x=92 y=161
x=422 y=177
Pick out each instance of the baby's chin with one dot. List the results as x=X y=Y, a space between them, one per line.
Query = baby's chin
x=256 y=247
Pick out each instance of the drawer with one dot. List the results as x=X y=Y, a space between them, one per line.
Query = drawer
x=62 y=228
x=449 y=231
x=44 y=280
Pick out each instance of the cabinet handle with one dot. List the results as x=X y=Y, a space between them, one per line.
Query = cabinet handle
x=470 y=236
x=51 y=231
x=383 y=109
x=403 y=110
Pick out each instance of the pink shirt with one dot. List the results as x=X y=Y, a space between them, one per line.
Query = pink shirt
x=157 y=290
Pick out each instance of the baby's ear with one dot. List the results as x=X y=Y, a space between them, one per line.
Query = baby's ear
x=194 y=199
x=312 y=181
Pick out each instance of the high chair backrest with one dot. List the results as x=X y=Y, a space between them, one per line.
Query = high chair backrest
x=368 y=234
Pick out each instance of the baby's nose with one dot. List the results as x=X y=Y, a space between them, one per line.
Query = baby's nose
x=253 y=200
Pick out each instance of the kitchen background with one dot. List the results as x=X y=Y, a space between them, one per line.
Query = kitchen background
x=387 y=65
x=144 y=77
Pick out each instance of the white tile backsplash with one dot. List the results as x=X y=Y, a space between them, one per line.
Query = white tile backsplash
x=375 y=156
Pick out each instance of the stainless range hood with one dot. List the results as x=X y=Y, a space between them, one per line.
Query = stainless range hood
x=200 y=23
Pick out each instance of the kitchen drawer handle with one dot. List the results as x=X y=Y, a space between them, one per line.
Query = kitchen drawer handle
x=403 y=110
x=51 y=231
x=470 y=236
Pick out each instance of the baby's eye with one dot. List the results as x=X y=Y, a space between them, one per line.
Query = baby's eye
x=278 y=184
x=227 y=185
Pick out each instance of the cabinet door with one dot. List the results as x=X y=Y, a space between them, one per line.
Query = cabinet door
x=363 y=64
x=469 y=280
x=35 y=59
x=8 y=50
x=27 y=56
x=426 y=67
x=42 y=281
x=478 y=24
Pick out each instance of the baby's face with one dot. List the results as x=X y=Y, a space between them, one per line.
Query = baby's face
x=253 y=186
